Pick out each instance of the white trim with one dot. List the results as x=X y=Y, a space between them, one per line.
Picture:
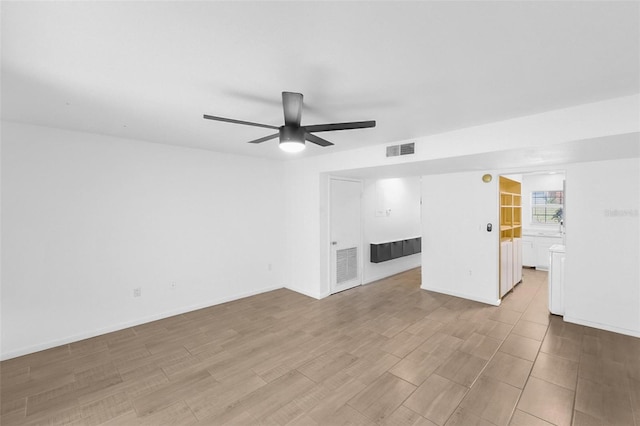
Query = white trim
x=332 y=290
x=124 y=325
x=307 y=293
x=462 y=295
x=634 y=333
x=346 y=179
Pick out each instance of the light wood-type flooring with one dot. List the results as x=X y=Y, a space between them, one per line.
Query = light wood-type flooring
x=384 y=353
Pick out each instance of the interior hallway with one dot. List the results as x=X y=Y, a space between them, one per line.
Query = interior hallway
x=386 y=353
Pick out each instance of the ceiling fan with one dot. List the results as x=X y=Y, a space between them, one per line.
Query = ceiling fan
x=292 y=135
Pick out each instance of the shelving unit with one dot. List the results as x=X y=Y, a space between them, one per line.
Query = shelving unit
x=510 y=234
x=381 y=252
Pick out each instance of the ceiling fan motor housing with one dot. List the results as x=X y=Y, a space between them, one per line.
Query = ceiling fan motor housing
x=291 y=134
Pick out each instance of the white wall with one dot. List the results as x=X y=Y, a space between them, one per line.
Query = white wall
x=307 y=248
x=602 y=275
x=88 y=218
x=307 y=220
x=459 y=255
x=538 y=182
x=391 y=212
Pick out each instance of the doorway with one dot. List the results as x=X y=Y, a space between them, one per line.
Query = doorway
x=540 y=223
x=345 y=229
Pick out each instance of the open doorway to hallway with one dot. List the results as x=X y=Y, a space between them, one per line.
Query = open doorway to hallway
x=390 y=214
x=534 y=224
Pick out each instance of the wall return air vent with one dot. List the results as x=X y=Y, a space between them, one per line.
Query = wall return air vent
x=404 y=149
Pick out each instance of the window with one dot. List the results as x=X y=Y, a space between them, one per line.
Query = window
x=546 y=207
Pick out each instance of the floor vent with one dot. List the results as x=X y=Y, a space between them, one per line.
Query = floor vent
x=346 y=265
x=404 y=149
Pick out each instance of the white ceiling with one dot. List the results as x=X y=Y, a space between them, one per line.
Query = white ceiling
x=149 y=70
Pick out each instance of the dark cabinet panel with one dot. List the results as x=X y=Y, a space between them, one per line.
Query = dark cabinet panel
x=395 y=249
x=380 y=252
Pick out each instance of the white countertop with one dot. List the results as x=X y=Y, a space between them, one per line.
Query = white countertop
x=537 y=233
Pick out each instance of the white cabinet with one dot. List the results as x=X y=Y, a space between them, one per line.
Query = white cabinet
x=528 y=252
x=535 y=250
x=517 y=260
x=542 y=246
x=506 y=267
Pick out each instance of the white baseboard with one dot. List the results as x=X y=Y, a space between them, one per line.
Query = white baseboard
x=633 y=333
x=372 y=279
x=89 y=334
x=313 y=295
x=463 y=295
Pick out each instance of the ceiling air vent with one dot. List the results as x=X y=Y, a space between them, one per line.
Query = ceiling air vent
x=393 y=151
x=404 y=149
x=407 y=148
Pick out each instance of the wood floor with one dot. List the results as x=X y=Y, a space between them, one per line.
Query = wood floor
x=385 y=353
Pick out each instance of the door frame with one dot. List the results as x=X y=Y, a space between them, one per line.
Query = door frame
x=331 y=265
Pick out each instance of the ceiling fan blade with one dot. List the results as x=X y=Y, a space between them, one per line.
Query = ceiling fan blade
x=266 y=138
x=292 y=105
x=340 y=126
x=317 y=140
x=231 y=120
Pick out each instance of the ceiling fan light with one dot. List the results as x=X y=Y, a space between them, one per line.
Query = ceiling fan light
x=291 y=139
x=292 y=146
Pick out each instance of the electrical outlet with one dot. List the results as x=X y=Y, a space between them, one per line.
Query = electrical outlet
x=137 y=292
x=174 y=285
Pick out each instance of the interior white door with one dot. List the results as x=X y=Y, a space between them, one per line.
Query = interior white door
x=345 y=234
